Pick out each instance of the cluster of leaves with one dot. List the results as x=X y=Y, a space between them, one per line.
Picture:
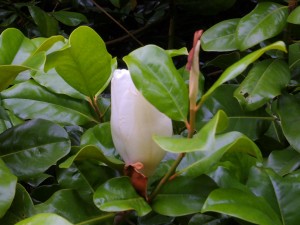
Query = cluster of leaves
x=58 y=164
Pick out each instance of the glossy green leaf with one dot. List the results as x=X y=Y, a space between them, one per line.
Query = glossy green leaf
x=280 y=192
x=289 y=111
x=84 y=176
x=294 y=16
x=86 y=64
x=8 y=73
x=294 y=59
x=71 y=206
x=177 y=52
x=47 y=25
x=117 y=195
x=7 y=187
x=49 y=44
x=241 y=65
x=156 y=77
x=31 y=148
x=263 y=82
x=15 y=47
x=283 y=161
x=69 y=18
x=21 y=207
x=100 y=136
x=251 y=123
x=45 y=218
x=202 y=141
x=266 y=20
x=243 y=205
x=53 y=82
x=183 y=196
x=29 y=100
x=197 y=163
x=93 y=152
x=220 y=37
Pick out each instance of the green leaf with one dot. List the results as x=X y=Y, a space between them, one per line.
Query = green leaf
x=294 y=16
x=8 y=74
x=283 y=161
x=100 y=136
x=288 y=111
x=84 y=177
x=238 y=67
x=177 y=52
x=263 y=82
x=280 y=192
x=69 y=18
x=31 y=148
x=251 y=123
x=294 y=59
x=243 y=205
x=223 y=61
x=21 y=207
x=47 y=25
x=15 y=47
x=7 y=187
x=155 y=76
x=265 y=21
x=117 y=195
x=197 y=163
x=220 y=37
x=86 y=64
x=53 y=82
x=29 y=100
x=202 y=141
x=70 y=205
x=182 y=196
x=45 y=218
x=92 y=152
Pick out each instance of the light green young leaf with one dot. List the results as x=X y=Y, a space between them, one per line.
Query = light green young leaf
x=263 y=82
x=238 y=67
x=45 y=218
x=294 y=16
x=265 y=21
x=117 y=195
x=155 y=76
x=86 y=64
x=202 y=141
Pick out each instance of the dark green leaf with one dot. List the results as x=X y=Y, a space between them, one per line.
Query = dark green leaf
x=117 y=195
x=47 y=25
x=7 y=187
x=31 y=148
x=86 y=64
x=183 y=196
x=92 y=152
x=220 y=37
x=265 y=21
x=156 y=77
x=70 y=18
x=243 y=205
x=225 y=60
x=294 y=59
x=100 y=136
x=289 y=111
x=21 y=207
x=29 y=100
x=263 y=82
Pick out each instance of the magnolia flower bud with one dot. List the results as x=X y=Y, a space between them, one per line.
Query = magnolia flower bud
x=133 y=123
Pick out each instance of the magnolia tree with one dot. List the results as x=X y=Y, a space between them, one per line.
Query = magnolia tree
x=84 y=141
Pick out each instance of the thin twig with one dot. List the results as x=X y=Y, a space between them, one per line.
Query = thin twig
x=120 y=25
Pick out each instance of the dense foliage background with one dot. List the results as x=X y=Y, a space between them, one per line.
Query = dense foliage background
x=58 y=164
